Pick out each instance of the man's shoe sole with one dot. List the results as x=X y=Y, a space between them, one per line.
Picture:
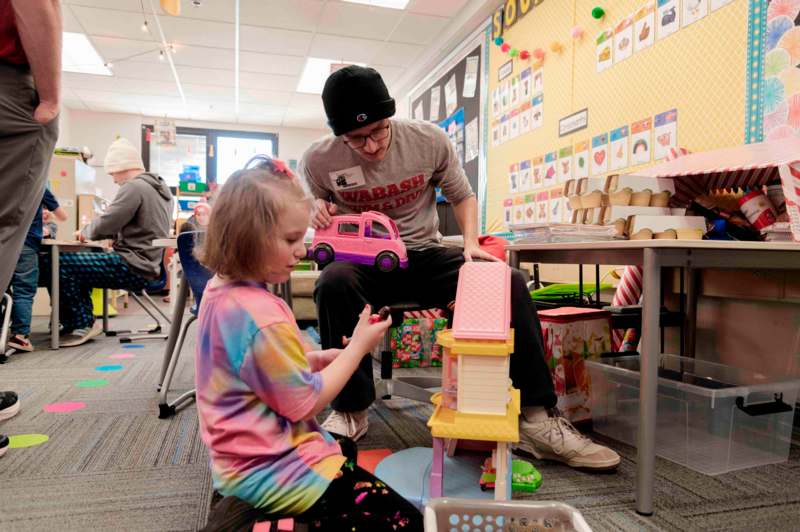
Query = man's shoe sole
x=530 y=450
x=10 y=412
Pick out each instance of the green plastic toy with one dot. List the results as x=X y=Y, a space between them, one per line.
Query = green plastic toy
x=524 y=477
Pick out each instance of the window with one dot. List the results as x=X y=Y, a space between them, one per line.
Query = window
x=380 y=231
x=216 y=153
x=348 y=229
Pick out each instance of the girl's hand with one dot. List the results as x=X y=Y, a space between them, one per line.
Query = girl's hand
x=366 y=335
x=319 y=360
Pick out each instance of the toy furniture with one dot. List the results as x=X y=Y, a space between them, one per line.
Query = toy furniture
x=477 y=401
x=369 y=238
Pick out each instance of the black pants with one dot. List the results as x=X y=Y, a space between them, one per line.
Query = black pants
x=431 y=279
x=355 y=500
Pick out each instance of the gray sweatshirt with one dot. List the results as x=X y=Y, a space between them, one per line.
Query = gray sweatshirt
x=401 y=186
x=140 y=213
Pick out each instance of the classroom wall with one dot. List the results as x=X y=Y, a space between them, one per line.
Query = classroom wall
x=98 y=131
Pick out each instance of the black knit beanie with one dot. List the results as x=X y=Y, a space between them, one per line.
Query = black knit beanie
x=354 y=97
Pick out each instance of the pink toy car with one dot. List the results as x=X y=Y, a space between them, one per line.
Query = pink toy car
x=369 y=238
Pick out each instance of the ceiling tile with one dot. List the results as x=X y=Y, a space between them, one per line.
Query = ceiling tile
x=344 y=48
x=196 y=91
x=270 y=97
x=267 y=120
x=124 y=5
x=419 y=29
x=71 y=103
x=155 y=71
x=354 y=20
x=117 y=50
x=256 y=39
x=113 y=23
x=442 y=8
x=201 y=56
x=271 y=63
x=397 y=54
x=70 y=20
x=208 y=10
x=252 y=80
x=205 y=76
x=301 y=15
x=200 y=32
x=293 y=119
x=390 y=74
x=106 y=107
x=95 y=96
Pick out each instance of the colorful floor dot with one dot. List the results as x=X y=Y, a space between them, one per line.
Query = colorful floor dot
x=133 y=346
x=18 y=441
x=92 y=383
x=60 y=408
x=109 y=367
x=122 y=356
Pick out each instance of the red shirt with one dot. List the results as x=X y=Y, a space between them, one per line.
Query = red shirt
x=11 y=50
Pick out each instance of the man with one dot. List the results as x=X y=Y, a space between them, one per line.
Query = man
x=30 y=79
x=374 y=162
x=140 y=213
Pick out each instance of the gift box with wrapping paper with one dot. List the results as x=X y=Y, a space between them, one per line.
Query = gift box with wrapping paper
x=414 y=340
x=571 y=335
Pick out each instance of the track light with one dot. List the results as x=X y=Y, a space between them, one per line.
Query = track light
x=145 y=27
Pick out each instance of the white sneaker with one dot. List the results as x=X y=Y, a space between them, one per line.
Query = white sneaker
x=556 y=439
x=351 y=424
x=81 y=336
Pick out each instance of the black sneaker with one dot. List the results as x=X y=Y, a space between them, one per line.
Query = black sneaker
x=3 y=444
x=9 y=405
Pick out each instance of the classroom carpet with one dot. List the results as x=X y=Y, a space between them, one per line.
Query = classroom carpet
x=113 y=465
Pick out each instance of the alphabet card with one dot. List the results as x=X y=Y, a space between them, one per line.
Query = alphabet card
x=641 y=133
x=550 y=161
x=605 y=42
x=667 y=18
x=526 y=85
x=564 y=167
x=619 y=148
x=525 y=176
x=580 y=168
x=556 y=206
x=495 y=134
x=644 y=27
x=525 y=118
x=542 y=204
x=513 y=124
x=513 y=178
x=537 y=112
x=515 y=92
x=623 y=40
x=519 y=210
x=505 y=97
x=600 y=154
x=538 y=81
x=537 y=171
x=496 y=102
x=666 y=133
x=694 y=10
x=508 y=205
x=504 y=129
x=530 y=208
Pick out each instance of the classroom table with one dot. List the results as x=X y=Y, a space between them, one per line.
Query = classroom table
x=56 y=247
x=652 y=256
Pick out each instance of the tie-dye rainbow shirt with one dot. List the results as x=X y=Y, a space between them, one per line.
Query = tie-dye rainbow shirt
x=254 y=387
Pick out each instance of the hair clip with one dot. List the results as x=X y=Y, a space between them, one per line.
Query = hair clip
x=268 y=163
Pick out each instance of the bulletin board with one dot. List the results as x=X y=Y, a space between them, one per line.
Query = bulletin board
x=649 y=76
x=453 y=97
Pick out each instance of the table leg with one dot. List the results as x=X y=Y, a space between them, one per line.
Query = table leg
x=180 y=295
x=54 y=296
x=646 y=451
x=690 y=320
x=437 y=469
x=105 y=310
x=502 y=477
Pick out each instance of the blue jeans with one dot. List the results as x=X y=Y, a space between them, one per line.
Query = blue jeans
x=24 y=283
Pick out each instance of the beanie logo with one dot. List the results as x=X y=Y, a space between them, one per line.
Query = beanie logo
x=360 y=118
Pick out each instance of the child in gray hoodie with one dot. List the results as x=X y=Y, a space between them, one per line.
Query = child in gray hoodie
x=140 y=213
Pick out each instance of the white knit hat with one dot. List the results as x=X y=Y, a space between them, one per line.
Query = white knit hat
x=122 y=156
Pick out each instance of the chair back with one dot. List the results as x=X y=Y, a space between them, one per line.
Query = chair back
x=194 y=273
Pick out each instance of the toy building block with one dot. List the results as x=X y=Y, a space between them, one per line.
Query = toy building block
x=370 y=238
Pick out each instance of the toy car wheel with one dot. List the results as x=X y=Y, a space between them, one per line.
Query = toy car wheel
x=323 y=254
x=386 y=261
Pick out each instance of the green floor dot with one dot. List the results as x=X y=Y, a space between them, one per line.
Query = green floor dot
x=18 y=441
x=92 y=383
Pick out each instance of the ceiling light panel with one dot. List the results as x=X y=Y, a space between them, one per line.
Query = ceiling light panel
x=78 y=55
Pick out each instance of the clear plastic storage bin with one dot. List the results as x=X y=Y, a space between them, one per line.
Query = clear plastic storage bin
x=447 y=515
x=711 y=418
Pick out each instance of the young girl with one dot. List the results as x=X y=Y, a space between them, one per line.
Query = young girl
x=258 y=390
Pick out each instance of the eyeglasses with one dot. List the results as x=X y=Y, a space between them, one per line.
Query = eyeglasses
x=359 y=141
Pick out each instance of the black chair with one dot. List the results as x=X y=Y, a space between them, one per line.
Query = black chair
x=197 y=276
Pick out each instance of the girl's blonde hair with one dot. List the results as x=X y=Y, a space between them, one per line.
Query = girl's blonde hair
x=241 y=230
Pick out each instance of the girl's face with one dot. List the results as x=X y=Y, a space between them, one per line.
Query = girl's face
x=288 y=247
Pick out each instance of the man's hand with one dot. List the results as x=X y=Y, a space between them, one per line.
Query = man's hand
x=45 y=112
x=473 y=251
x=323 y=211
x=79 y=236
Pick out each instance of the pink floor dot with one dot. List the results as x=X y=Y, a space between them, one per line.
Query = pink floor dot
x=60 y=408
x=122 y=356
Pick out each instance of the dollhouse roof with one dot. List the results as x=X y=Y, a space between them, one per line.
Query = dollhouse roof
x=749 y=165
x=483 y=302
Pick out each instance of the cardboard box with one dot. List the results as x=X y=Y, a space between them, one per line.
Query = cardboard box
x=69 y=177
x=658 y=224
x=612 y=213
x=638 y=183
x=90 y=207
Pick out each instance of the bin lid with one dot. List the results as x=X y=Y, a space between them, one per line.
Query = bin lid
x=483 y=301
x=570 y=314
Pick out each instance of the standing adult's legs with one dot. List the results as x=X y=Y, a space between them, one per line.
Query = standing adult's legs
x=25 y=150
